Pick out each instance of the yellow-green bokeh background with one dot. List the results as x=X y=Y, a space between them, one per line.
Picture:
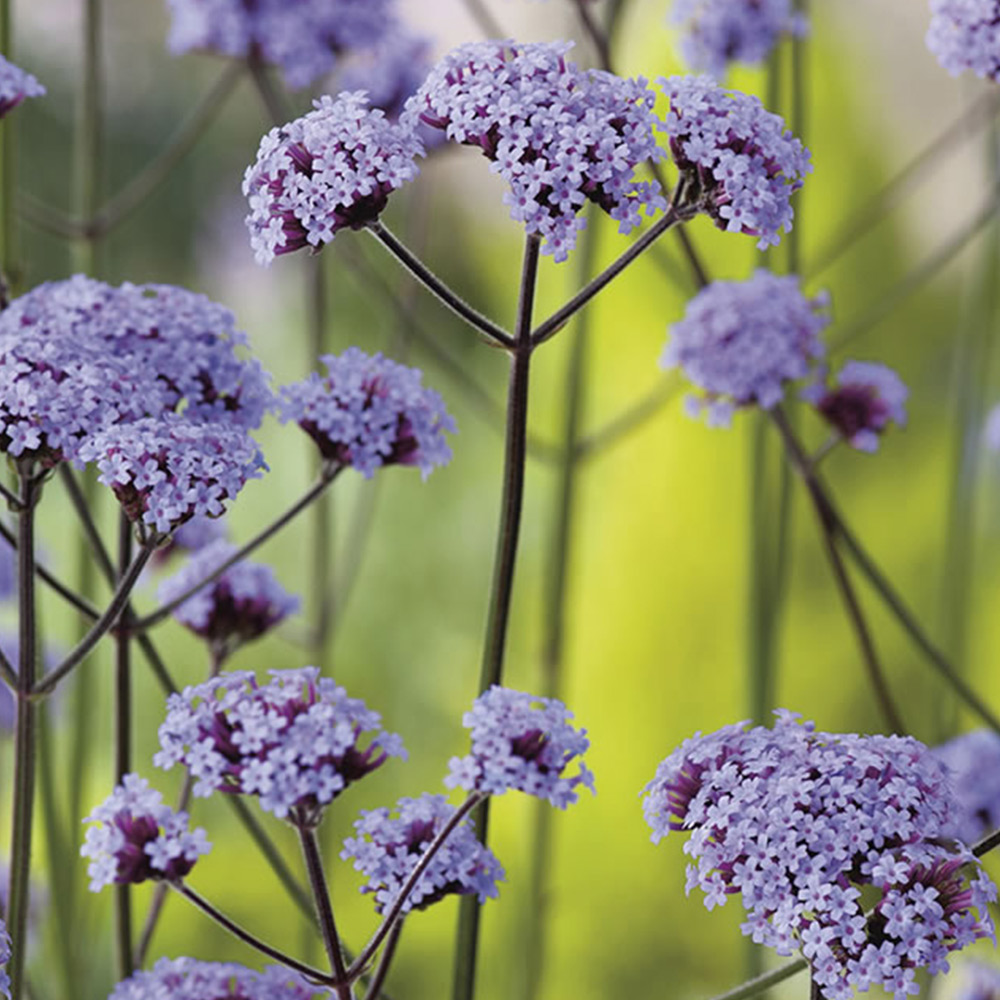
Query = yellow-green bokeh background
x=657 y=620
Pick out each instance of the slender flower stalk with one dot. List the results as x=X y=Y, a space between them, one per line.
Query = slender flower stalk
x=374 y=990
x=324 y=910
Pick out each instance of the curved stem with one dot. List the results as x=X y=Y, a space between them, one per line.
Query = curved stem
x=490 y=330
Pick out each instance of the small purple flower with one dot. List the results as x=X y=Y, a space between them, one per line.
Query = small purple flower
x=523 y=742
x=741 y=341
x=137 y=838
x=15 y=86
x=737 y=161
x=369 y=411
x=387 y=849
x=558 y=135
x=330 y=170
x=242 y=604
x=718 y=32
x=973 y=763
x=294 y=742
x=862 y=403
x=167 y=470
x=5 y=947
x=303 y=37
x=965 y=35
x=189 y=979
x=801 y=824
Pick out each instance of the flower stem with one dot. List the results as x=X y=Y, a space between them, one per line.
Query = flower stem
x=25 y=736
x=490 y=330
x=88 y=163
x=374 y=990
x=324 y=910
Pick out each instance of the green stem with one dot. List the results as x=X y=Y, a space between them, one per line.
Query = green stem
x=8 y=180
x=88 y=165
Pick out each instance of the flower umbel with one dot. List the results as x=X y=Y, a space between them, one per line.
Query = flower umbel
x=369 y=411
x=523 y=742
x=15 y=86
x=137 y=838
x=295 y=742
x=387 y=849
x=558 y=135
x=965 y=35
x=973 y=763
x=741 y=341
x=800 y=823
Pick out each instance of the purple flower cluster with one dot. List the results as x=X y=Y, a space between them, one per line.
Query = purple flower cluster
x=973 y=764
x=865 y=399
x=15 y=86
x=137 y=838
x=387 y=849
x=805 y=825
x=303 y=37
x=294 y=742
x=242 y=604
x=718 y=32
x=391 y=71
x=332 y=169
x=558 y=135
x=165 y=471
x=189 y=979
x=4 y=959
x=741 y=341
x=523 y=742
x=738 y=163
x=965 y=34
x=369 y=411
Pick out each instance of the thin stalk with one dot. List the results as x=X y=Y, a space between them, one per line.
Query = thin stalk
x=275 y=103
x=487 y=23
x=315 y=975
x=597 y=35
x=485 y=326
x=123 y=746
x=11 y=497
x=324 y=910
x=390 y=916
x=759 y=984
x=631 y=419
x=9 y=278
x=7 y=671
x=99 y=629
x=374 y=990
x=25 y=738
x=558 y=319
x=88 y=166
x=314 y=491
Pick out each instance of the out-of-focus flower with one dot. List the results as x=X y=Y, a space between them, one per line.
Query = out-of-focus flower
x=192 y=536
x=369 y=411
x=242 y=604
x=804 y=825
x=137 y=838
x=390 y=71
x=523 y=742
x=15 y=86
x=741 y=341
x=189 y=979
x=8 y=570
x=719 y=32
x=738 y=163
x=965 y=35
x=295 y=742
x=558 y=135
x=865 y=398
x=4 y=959
x=330 y=170
x=976 y=981
x=167 y=470
x=303 y=37
x=387 y=849
x=973 y=763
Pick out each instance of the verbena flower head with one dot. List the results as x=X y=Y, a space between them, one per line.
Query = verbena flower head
x=166 y=470
x=387 y=849
x=523 y=742
x=965 y=35
x=295 y=742
x=741 y=341
x=5 y=950
x=802 y=823
x=559 y=136
x=718 y=32
x=189 y=979
x=391 y=71
x=303 y=37
x=330 y=170
x=973 y=764
x=15 y=86
x=242 y=604
x=369 y=411
x=865 y=398
x=737 y=161
x=137 y=838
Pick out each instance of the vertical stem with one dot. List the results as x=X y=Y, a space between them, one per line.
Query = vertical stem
x=382 y=969
x=25 y=734
x=8 y=216
x=123 y=747
x=88 y=163
x=467 y=937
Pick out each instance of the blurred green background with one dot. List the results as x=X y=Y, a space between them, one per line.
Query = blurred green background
x=659 y=637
